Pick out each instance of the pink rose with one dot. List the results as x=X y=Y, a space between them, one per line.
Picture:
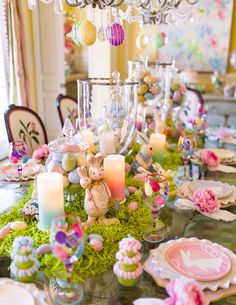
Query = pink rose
x=41 y=152
x=206 y=201
x=184 y=291
x=210 y=158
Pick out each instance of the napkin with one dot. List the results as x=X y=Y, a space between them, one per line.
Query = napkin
x=149 y=301
x=224 y=215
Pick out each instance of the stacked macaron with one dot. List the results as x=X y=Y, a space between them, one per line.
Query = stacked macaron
x=128 y=268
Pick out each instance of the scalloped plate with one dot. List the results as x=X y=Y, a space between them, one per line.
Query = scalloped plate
x=200 y=261
x=220 y=189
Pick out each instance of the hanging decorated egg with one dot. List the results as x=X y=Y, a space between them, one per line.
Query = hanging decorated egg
x=115 y=34
x=159 y=40
x=87 y=33
x=74 y=34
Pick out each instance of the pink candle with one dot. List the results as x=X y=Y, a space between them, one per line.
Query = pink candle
x=114 y=174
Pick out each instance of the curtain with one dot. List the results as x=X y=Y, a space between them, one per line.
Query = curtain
x=19 y=53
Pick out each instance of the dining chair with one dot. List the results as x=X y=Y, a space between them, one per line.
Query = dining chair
x=67 y=107
x=193 y=105
x=24 y=124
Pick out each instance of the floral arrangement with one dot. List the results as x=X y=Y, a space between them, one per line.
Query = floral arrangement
x=184 y=291
x=41 y=153
x=210 y=159
x=206 y=201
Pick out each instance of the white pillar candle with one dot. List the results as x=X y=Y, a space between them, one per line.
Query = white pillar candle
x=107 y=144
x=158 y=142
x=88 y=136
x=50 y=198
x=114 y=174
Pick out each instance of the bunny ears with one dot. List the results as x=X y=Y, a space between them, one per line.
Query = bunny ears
x=95 y=160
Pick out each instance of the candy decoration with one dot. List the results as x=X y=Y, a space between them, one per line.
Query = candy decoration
x=128 y=268
x=24 y=264
x=133 y=206
x=115 y=34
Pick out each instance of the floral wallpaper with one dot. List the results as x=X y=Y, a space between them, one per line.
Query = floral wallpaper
x=202 y=45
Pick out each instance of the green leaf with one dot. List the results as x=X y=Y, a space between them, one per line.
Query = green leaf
x=35 y=139
x=21 y=122
x=34 y=132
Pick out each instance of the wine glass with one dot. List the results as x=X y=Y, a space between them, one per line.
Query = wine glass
x=67 y=243
x=19 y=155
x=186 y=146
x=155 y=196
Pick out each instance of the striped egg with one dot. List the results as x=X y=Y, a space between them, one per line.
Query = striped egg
x=115 y=34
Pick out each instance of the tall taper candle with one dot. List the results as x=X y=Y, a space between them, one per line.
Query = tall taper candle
x=50 y=198
x=114 y=174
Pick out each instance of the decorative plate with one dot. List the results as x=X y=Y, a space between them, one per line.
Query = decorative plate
x=9 y=171
x=223 y=154
x=220 y=189
x=210 y=296
x=200 y=261
x=22 y=296
x=30 y=294
x=166 y=272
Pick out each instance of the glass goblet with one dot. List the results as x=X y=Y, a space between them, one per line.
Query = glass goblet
x=18 y=154
x=186 y=146
x=155 y=197
x=67 y=244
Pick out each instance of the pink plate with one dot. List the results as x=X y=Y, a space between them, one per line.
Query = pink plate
x=202 y=261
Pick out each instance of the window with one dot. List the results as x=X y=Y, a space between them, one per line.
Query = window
x=3 y=104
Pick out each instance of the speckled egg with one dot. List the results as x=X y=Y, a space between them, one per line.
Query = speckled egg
x=127 y=167
x=139 y=194
x=69 y=162
x=18 y=225
x=74 y=177
x=176 y=96
x=141 y=98
x=66 y=182
x=127 y=193
x=149 y=96
x=150 y=80
x=142 y=89
x=133 y=206
x=45 y=248
x=154 y=90
x=96 y=244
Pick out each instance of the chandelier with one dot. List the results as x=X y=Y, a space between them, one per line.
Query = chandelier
x=142 y=11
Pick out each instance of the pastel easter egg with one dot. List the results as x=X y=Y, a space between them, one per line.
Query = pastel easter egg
x=155 y=186
x=43 y=249
x=175 y=85
x=74 y=177
x=142 y=89
x=96 y=244
x=133 y=206
x=141 y=98
x=176 y=96
x=95 y=236
x=66 y=182
x=69 y=162
x=149 y=96
x=138 y=194
x=73 y=188
x=127 y=167
x=151 y=79
x=87 y=33
x=4 y=231
x=127 y=193
x=116 y=34
x=132 y=189
x=18 y=225
x=70 y=148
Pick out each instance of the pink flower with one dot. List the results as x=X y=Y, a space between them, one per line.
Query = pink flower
x=206 y=201
x=41 y=152
x=210 y=158
x=184 y=291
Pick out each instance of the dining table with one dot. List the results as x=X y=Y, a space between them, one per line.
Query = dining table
x=104 y=289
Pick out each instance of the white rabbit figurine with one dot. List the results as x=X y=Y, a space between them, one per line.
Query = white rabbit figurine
x=97 y=196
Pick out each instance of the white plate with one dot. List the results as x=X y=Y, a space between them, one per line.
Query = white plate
x=220 y=189
x=28 y=293
x=12 y=295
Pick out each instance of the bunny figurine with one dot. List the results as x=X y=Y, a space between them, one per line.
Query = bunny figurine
x=143 y=158
x=97 y=196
